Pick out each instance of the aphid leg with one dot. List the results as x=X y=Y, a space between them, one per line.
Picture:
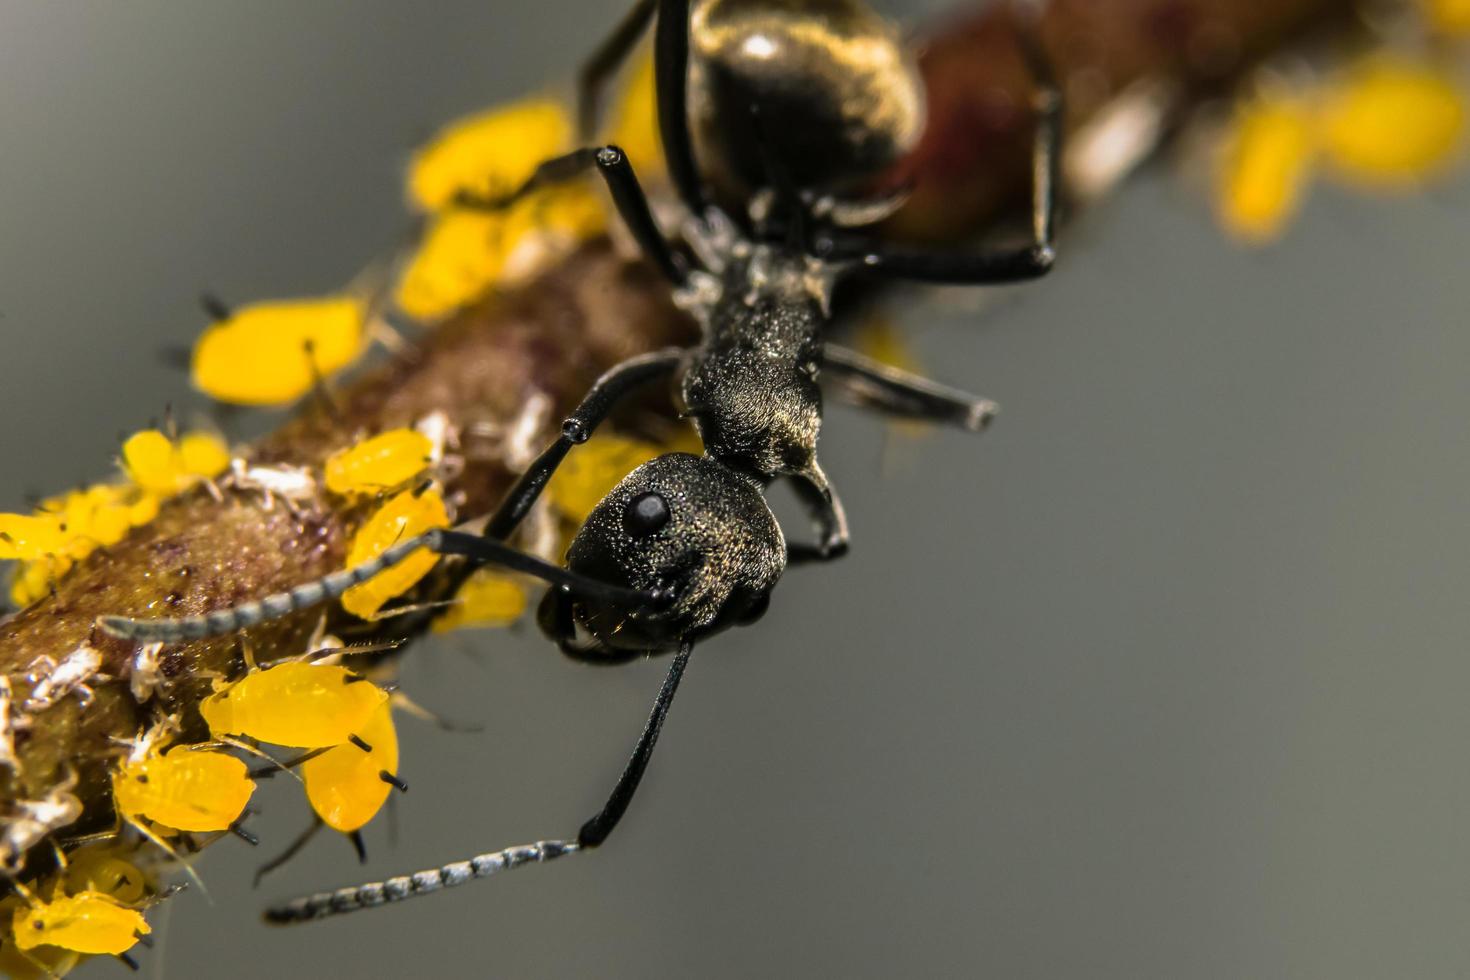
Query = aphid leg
x=319 y=389
x=1000 y=265
x=358 y=845
x=873 y=384
x=403 y=702
x=592 y=834
x=128 y=962
x=173 y=855
x=606 y=59
x=611 y=163
x=393 y=780
x=578 y=427
x=292 y=849
x=816 y=492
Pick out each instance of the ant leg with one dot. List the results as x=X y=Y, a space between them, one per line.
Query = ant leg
x=1002 y=265
x=592 y=834
x=671 y=86
x=815 y=491
x=872 y=384
x=577 y=429
x=611 y=53
x=628 y=197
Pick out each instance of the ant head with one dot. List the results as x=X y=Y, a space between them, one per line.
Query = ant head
x=755 y=411
x=840 y=98
x=684 y=525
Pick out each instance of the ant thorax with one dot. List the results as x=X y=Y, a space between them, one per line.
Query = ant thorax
x=751 y=385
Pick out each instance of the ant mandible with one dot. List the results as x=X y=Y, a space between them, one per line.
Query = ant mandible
x=814 y=98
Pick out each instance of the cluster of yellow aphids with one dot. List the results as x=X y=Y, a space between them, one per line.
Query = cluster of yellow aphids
x=63 y=530
x=1386 y=123
x=274 y=352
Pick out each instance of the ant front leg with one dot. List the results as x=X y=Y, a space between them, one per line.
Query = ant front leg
x=816 y=492
x=1001 y=265
x=872 y=384
x=591 y=834
x=577 y=429
x=611 y=163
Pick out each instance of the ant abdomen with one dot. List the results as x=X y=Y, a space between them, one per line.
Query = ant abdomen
x=681 y=525
x=839 y=96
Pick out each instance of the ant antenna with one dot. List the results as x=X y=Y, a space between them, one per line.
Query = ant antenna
x=472 y=546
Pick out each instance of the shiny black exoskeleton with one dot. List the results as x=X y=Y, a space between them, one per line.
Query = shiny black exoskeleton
x=797 y=103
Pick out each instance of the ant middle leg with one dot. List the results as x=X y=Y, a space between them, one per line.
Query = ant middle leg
x=872 y=384
x=998 y=265
x=606 y=59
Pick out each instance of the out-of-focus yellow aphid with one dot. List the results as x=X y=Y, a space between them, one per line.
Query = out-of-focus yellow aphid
x=488 y=598
x=308 y=706
x=465 y=253
x=273 y=353
x=41 y=963
x=29 y=537
x=85 y=519
x=1392 y=122
x=188 y=789
x=1450 y=17
x=635 y=121
x=404 y=516
x=98 y=868
x=1266 y=166
x=88 y=922
x=387 y=460
x=346 y=784
x=488 y=155
x=165 y=467
x=592 y=470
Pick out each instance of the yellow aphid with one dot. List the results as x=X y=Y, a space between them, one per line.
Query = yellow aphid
x=383 y=462
x=592 y=470
x=162 y=466
x=304 y=705
x=1266 y=168
x=97 y=868
x=186 y=789
x=34 y=580
x=1450 y=17
x=42 y=963
x=635 y=123
x=345 y=785
x=488 y=155
x=489 y=597
x=272 y=353
x=1392 y=123
x=88 y=922
x=465 y=253
x=28 y=537
x=405 y=516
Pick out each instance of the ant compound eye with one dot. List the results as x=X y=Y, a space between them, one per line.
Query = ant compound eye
x=645 y=514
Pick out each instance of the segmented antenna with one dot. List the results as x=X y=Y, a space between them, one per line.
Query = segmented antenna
x=249 y=614
x=375 y=893
x=474 y=547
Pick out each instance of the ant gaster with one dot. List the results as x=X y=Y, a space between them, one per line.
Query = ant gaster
x=686 y=545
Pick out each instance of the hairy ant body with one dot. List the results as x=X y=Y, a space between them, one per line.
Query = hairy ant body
x=686 y=545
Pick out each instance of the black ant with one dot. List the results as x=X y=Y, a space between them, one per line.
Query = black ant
x=686 y=545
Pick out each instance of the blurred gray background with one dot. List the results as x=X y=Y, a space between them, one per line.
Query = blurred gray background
x=1165 y=676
